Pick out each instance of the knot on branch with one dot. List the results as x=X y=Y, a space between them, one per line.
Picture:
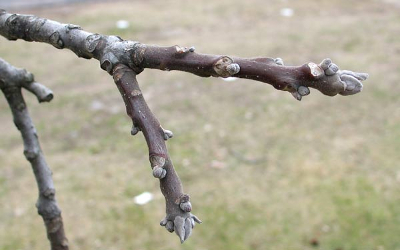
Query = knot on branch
x=91 y=42
x=11 y=24
x=115 y=51
x=47 y=208
x=49 y=193
x=56 y=41
x=31 y=154
x=225 y=67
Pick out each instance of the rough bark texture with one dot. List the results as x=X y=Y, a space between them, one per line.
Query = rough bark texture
x=11 y=82
x=125 y=59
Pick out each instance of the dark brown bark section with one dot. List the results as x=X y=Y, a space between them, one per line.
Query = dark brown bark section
x=178 y=207
x=112 y=50
x=11 y=82
x=143 y=118
x=259 y=69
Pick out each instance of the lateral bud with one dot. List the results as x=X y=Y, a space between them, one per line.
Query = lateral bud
x=56 y=41
x=134 y=129
x=181 y=51
x=167 y=134
x=225 y=67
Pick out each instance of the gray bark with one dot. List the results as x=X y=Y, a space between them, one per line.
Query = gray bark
x=12 y=80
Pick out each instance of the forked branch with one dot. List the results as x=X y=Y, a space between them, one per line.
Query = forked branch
x=125 y=59
x=11 y=81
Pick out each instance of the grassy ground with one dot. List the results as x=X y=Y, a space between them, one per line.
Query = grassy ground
x=264 y=171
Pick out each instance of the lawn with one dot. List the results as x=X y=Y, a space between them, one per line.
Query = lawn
x=264 y=171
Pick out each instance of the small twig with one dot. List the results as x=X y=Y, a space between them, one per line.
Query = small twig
x=11 y=81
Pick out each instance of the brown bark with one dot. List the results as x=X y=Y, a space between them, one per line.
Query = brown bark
x=125 y=59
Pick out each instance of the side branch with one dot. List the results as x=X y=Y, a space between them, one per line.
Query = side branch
x=11 y=81
x=178 y=207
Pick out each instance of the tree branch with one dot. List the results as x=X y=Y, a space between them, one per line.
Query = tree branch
x=111 y=50
x=125 y=59
x=11 y=81
x=178 y=207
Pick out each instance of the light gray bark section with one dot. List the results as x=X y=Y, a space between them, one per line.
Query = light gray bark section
x=11 y=81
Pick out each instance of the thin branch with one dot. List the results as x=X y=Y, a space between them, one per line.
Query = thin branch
x=11 y=81
x=178 y=207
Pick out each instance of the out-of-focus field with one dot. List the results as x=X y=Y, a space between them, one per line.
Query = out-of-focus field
x=264 y=171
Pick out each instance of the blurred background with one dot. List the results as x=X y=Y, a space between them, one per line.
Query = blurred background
x=264 y=171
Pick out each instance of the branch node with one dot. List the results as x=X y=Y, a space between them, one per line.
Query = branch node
x=31 y=154
x=49 y=193
x=156 y=160
x=91 y=42
x=10 y=24
x=182 y=51
x=225 y=67
x=157 y=163
x=48 y=209
x=56 y=41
